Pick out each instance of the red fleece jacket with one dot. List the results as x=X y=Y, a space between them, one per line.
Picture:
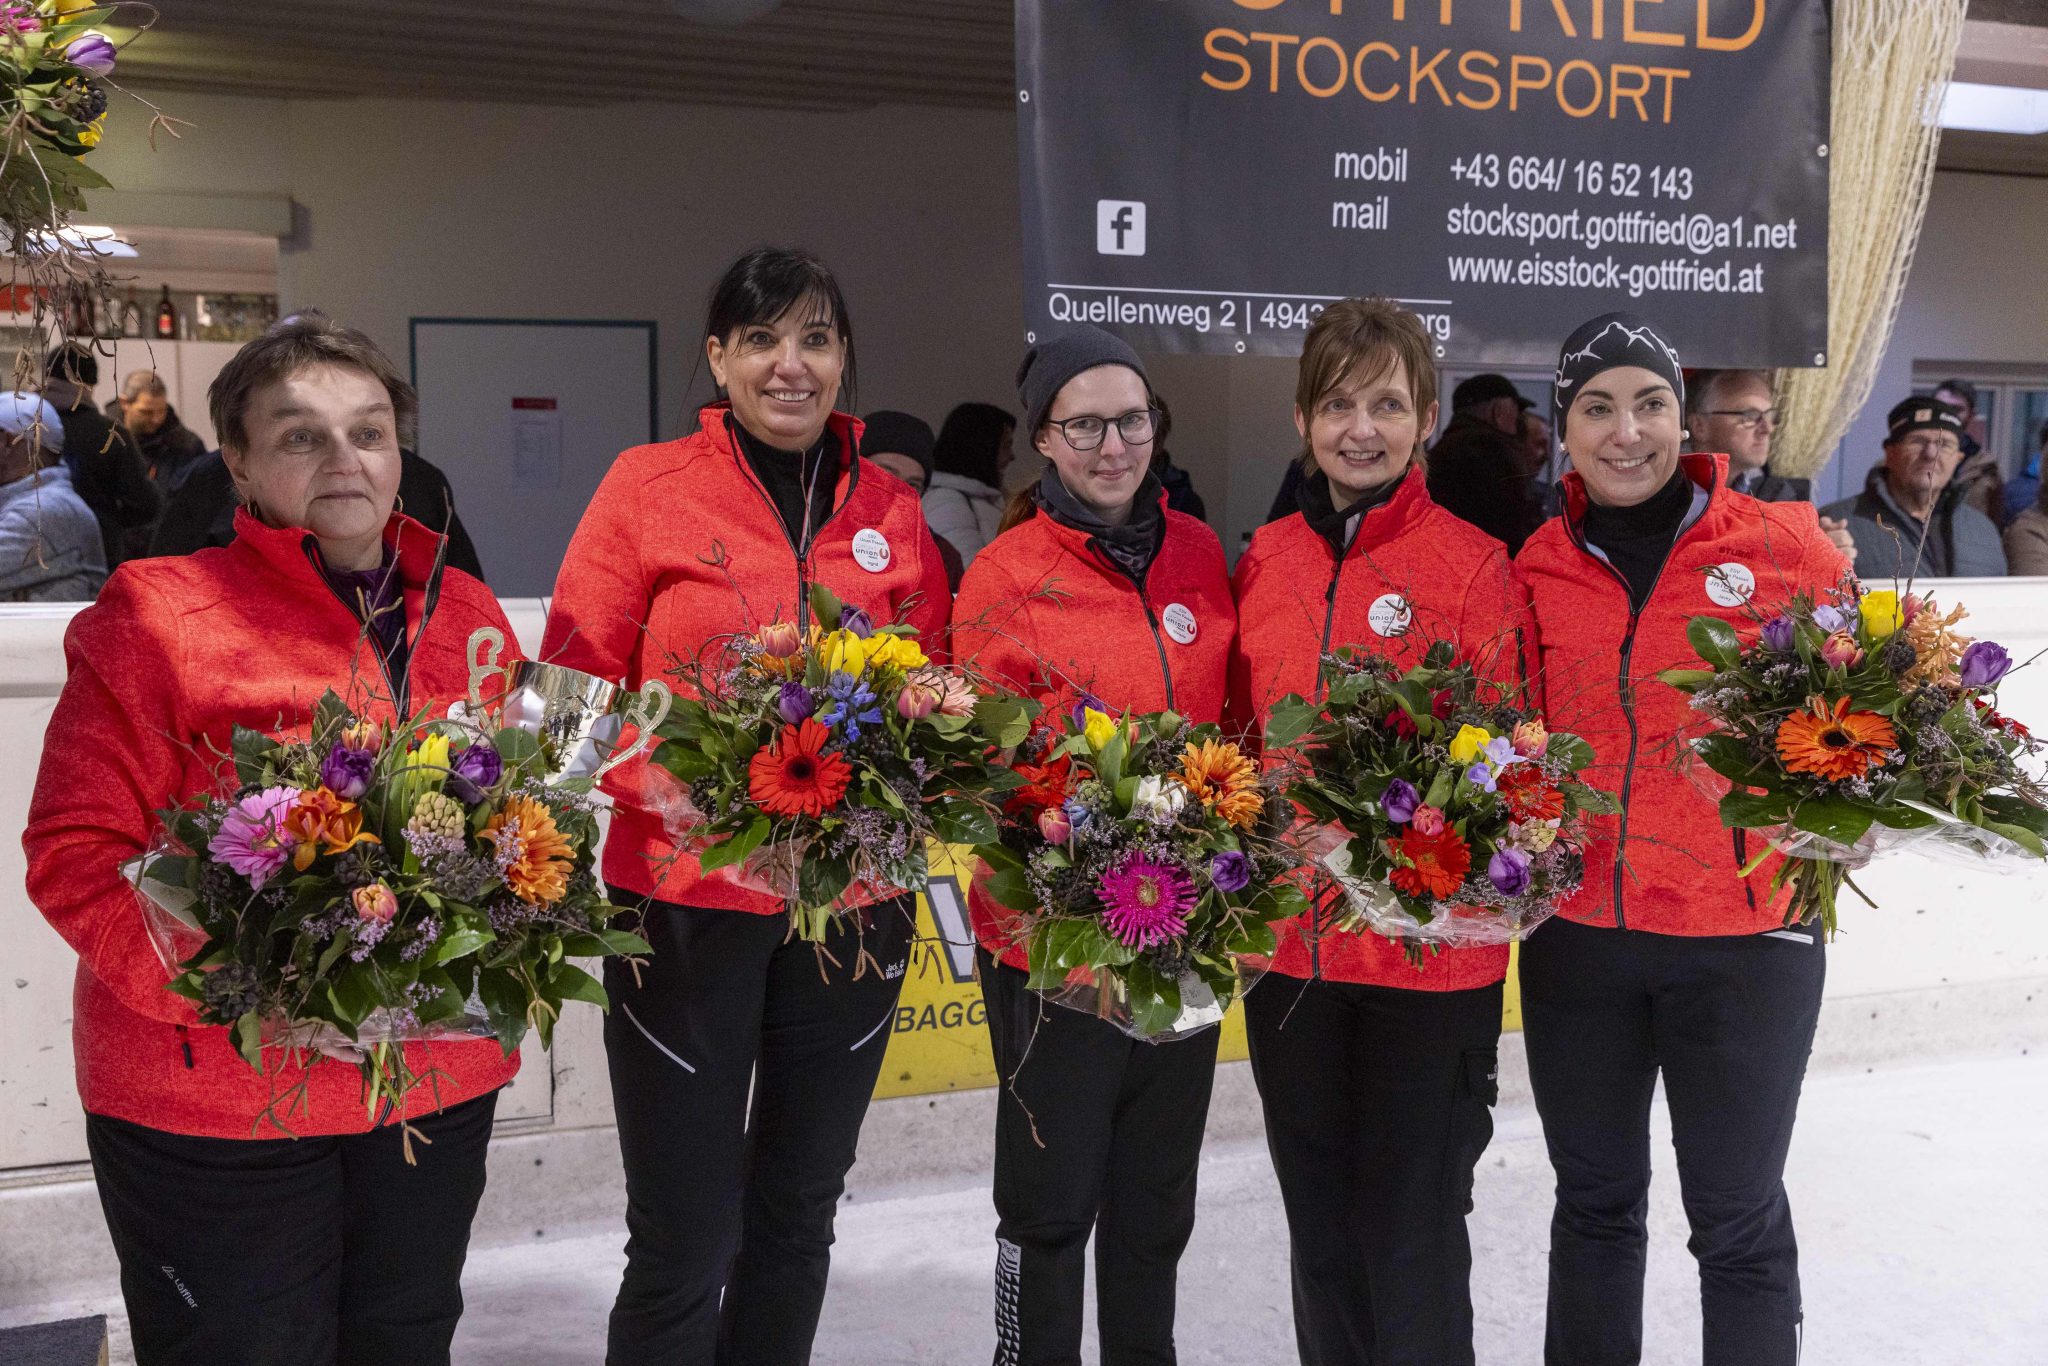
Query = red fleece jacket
x=1414 y=569
x=174 y=654
x=1666 y=863
x=1046 y=613
x=680 y=547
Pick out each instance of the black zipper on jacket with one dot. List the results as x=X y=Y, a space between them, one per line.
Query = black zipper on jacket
x=1628 y=694
x=800 y=553
x=1151 y=621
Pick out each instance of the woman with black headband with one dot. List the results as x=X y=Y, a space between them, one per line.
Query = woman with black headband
x=1667 y=960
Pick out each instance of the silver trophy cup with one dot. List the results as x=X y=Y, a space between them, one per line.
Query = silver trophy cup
x=576 y=716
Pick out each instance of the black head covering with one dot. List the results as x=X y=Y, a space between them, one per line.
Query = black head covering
x=1606 y=343
x=887 y=431
x=1051 y=363
x=1921 y=415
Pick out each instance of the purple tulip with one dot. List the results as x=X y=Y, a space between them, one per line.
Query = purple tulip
x=795 y=702
x=1400 y=800
x=91 y=52
x=346 y=772
x=1230 y=871
x=1508 y=871
x=1088 y=702
x=475 y=769
x=1778 y=634
x=1829 y=619
x=854 y=620
x=1984 y=663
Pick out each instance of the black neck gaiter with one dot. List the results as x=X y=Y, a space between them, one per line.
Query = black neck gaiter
x=800 y=484
x=1132 y=546
x=1338 y=525
x=1638 y=539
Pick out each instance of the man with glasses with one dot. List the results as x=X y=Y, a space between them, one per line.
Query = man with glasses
x=1733 y=411
x=1910 y=521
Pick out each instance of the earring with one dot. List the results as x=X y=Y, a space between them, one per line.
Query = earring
x=398 y=503
x=1685 y=433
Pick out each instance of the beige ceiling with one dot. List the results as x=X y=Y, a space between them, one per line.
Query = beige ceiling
x=830 y=54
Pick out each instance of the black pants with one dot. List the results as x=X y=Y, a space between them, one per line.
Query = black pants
x=1377 y=1110
x=1729 y=1022
x=1121 y=1127
x=727 y=1196
x=292 y=1252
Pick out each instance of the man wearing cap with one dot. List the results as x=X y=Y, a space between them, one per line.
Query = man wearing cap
x=1911 y=521
x=902 y=444
x=50 y=546
x=1479 y=469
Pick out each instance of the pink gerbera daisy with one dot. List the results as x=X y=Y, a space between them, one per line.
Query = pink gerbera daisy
x=252 y=839
x=1146 y=901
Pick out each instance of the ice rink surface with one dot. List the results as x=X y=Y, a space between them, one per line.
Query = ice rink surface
x=1920 y=1193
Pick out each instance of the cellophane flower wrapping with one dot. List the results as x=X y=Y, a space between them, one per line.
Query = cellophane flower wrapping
x=815 y=764
x=1856 y=723
x=376 y=884
x=1141 y=857
x=1440 y=806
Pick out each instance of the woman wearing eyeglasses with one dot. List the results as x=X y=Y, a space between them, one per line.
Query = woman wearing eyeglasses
x=1094 y=588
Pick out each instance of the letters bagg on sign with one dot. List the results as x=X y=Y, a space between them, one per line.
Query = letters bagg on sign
x=1485 y=164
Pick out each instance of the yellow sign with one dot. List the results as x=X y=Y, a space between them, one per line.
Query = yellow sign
x=939 y=1041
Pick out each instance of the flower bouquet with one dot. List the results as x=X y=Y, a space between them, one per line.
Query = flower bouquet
x=373 y=884
x=1858 y=724
x=1449 y=815
x=815 y=767
x=1140 y=854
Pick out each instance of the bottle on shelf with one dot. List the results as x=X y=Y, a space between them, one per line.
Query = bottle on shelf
x=110 y=313
x=131 y=315
x=166 y=317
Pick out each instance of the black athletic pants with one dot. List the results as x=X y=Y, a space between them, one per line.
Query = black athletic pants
x=292 y=1252
x=1121 y=1124
x=727 y=1196
x=1377 y=1104
x=1729 y=1022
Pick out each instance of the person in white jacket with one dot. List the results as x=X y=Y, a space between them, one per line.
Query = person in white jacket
x=963 y=505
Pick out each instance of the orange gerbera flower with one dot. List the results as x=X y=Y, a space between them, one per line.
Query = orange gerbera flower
x=323 y=823
x=1834 y=742
x=1223 y=779
x=1528 y=794
x=795 y=776
x=539 y=863
x=1430 y=865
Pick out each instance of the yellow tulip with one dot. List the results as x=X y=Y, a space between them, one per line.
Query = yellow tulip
x=430 y=758
x=845 y=653
x=1099 y=728
x=1881 y=613
x=1469 y=741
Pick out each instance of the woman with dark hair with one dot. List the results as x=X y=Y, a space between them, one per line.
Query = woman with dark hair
x=964 y=503
x=238 y=1244
x=1098 y=590
x=1673 y=960
x=741 y=1060
x=1376 y=1074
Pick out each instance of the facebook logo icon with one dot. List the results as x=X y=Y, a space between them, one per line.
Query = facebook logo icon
x=1119 y=227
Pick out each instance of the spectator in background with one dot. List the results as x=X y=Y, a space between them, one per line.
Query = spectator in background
x=50 y=547
x=1733 y=412
x=1911 y=519
x=1979 y=475
x=1536 y=443
x=902 y=444
x=2023 y=490
x=169 y=449
x=201 y=511
x=105 y=465
x=2026 y=539
x=1180 y=489
x=1479 y=468
x=964 y=505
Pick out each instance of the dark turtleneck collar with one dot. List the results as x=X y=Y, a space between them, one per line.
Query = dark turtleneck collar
x=1339 y=526
x=1637 y=539
x=1133 y=545
x=788 y=475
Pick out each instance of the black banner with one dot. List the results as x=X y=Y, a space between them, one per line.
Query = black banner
x=1203 y=175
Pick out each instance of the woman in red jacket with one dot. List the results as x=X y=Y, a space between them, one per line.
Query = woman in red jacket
x=1095 y=590
x=1375 y=1074
x=1667 y=960
x=237 y=1247
x=729 y=1203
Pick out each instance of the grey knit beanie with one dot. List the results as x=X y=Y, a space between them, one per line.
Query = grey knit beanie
x=1051 y=363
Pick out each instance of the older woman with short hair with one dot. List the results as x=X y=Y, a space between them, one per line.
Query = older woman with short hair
x=237 y=1243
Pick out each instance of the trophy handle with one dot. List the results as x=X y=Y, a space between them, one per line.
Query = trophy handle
x=482 y=663
x=648 y=710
